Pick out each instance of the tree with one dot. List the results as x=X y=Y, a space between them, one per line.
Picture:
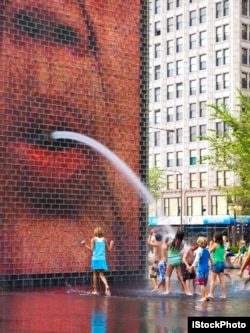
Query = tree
x=230 y=147
x=156 y=181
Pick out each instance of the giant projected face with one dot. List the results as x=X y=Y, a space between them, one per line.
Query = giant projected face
x=67 y=65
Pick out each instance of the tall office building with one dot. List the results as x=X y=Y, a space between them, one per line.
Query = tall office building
x=199 y=55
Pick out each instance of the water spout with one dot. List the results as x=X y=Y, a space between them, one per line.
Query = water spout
x=114 y=159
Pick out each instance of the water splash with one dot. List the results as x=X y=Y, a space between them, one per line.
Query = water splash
x=114 y=159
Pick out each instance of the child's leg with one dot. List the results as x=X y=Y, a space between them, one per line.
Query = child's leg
x=169 y=272
x=222 y=285
x=246 y=282
x=104 y=280
x=212 y=284
x=95 y=273
x=180 y=277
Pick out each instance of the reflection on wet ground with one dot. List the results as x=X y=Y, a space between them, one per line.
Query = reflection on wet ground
x=131 y=308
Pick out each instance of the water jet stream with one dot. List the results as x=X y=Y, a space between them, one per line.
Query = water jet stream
x=114 y=159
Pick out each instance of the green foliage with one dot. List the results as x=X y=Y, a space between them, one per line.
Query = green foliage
x=230 y=148
x=156 y=181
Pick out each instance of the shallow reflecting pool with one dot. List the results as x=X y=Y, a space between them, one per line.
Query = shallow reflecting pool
x=131 y=308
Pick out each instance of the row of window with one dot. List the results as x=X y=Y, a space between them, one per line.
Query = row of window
x=195 y=86
x=198 y=180
x=175 y=113
x=176 y=23
x=222 y=7
x=195 y=206
x=193 y=133
x=222 y=34
x=176 y=68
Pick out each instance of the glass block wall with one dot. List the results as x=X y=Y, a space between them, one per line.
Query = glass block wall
x=75 y=67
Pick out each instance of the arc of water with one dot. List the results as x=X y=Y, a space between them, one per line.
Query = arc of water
x=113 y=158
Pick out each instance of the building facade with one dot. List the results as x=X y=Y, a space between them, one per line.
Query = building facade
x=199 y=55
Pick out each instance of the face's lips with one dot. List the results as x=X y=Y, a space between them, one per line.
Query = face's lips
x=58 y=159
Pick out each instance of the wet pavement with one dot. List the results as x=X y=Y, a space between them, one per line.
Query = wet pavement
x=131 y=308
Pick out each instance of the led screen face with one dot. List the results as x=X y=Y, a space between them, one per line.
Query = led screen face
x=68 y=66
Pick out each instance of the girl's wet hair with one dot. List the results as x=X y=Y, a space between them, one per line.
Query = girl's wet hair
x=98 y=232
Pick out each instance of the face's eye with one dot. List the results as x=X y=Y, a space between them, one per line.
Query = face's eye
x=48 y=31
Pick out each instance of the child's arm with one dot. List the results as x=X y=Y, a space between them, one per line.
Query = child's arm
x=91 y=247
x=110 y=245
x=149 y=240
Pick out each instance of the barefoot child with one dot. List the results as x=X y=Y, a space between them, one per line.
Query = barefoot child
x=217 y=251
x=163 y=263
x=156 y=245
x=98 y=246
x=187 y=261
x=201 y=264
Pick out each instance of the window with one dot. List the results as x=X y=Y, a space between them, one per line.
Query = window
x=157 y=119
x=203 y=62
x=179 y=135
x=170 y=138
x=223 y=178
x=179 y=112
x=170 y=4
x=218 y=205
x=219 y=58
x=192 y=133
x=244 y=31
x=157 y=138
x=226 y=56
x=179 y=158
x=193 y=180
x=203 y=86
x=157 y=28
x=170 y=182
x=179 y=3
x=196 y=205
x=179 y=181
x=179 y=67
x=221 y=128
x=157 y=160
x=179 y=89
x=203 y=38
x=226 y=81
x=157 y=50
x=203 y=15
x=170 y=160
x=192 y=110
x=218 y=79
x=192 y=18
x=203 y=131
x=170 y=47
x=226 y=31
x=157 y=94
x=170 y=92
x=192 y=64
x=170 y=114
x=170 y=24
x=179 y=22
x=179 y=44
x=192 y=41
x=202 y=108
x=170 y=69
x=192 y=87
x=203 y=179
x=192 y=159
x=244 y=10
x=218 y=10
x=244 y=80
x=226 y=8
x=218 y=34
x=202 y=156
x=157 y=72
x=157 y=6
x=244 y=56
